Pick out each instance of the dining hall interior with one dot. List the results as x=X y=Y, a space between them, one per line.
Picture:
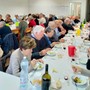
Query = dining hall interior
x=45 y=45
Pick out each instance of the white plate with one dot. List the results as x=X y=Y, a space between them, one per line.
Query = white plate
x=51 y=53
x=83 y=61
x=67 y=35
x=35 y=79
x=87 y=44
x=56 y=85
x=86 y=41
x=83 y=79
x=70 y=32
x=39 y=66
x=58 y=46
x=84 y=49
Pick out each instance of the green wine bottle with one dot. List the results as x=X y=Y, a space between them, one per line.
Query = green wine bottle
x=46 y=79
x=84 y=22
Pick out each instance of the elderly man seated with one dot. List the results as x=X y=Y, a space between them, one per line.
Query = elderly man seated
x=42 y=45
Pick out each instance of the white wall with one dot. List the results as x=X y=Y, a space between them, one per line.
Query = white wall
x=57 y=7
x=13 y=7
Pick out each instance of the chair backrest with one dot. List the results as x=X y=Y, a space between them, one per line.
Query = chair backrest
x=1 y=67
x=9 y=42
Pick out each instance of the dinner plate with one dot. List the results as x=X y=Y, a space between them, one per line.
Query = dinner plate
x=86 y=42
x=56 y=85
x=39 y=66
x=79 y=80
x=67 y=35
x=83 y=61
x=84 y=48
x=35 y=79
x=51 y=53
x=70 y=32
x=58 y=46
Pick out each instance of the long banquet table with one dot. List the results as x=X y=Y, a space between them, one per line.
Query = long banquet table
x=60 y=66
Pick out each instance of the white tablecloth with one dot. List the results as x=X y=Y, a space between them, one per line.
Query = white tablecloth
x=60 y=62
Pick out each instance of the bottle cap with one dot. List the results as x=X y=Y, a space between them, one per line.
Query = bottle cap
x=24 y=57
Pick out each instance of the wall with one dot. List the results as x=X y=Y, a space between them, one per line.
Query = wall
x=49 y=6
x=57 y=7
x=13 y=7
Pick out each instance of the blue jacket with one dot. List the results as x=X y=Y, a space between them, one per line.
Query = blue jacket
x=40 y=45
x=9 y=42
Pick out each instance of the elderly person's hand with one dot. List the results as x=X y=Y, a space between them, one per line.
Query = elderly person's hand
x=40 y=60
x=89 y=50
x=63 y=32
x=1 y=52
x=62 y=40
x=54 y=43
x=76 y=69
x=88 y=54
x=33 y=62
x=44 y=51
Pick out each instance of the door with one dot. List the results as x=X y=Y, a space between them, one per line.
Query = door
x=75 y=9
x=88 y=10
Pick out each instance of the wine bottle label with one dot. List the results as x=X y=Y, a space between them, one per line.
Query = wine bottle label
x=45 y=85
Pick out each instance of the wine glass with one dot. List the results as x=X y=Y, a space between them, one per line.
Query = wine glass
x=66 y=78
x=64 y=47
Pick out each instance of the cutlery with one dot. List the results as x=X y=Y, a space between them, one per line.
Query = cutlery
x=34 y=72
x=31 y=82
x=76 y=86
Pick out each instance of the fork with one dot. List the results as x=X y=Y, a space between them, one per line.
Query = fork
x=76 y=86
x=33 y=72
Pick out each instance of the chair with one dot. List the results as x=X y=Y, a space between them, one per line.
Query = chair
x=1 y=67
x=28 y=30
x=3 y=62
x=10 y=43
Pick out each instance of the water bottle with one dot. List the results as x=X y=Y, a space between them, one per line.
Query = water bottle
x=24 y=74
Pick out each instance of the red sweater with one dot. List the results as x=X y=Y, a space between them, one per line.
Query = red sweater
x=32 y=23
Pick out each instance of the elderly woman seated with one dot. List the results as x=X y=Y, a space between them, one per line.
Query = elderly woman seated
x=25 y=49
x=67 y=25
x=59 y=31
x=49 y=32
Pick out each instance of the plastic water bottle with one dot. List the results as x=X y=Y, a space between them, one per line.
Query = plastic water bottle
x=24 y=74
